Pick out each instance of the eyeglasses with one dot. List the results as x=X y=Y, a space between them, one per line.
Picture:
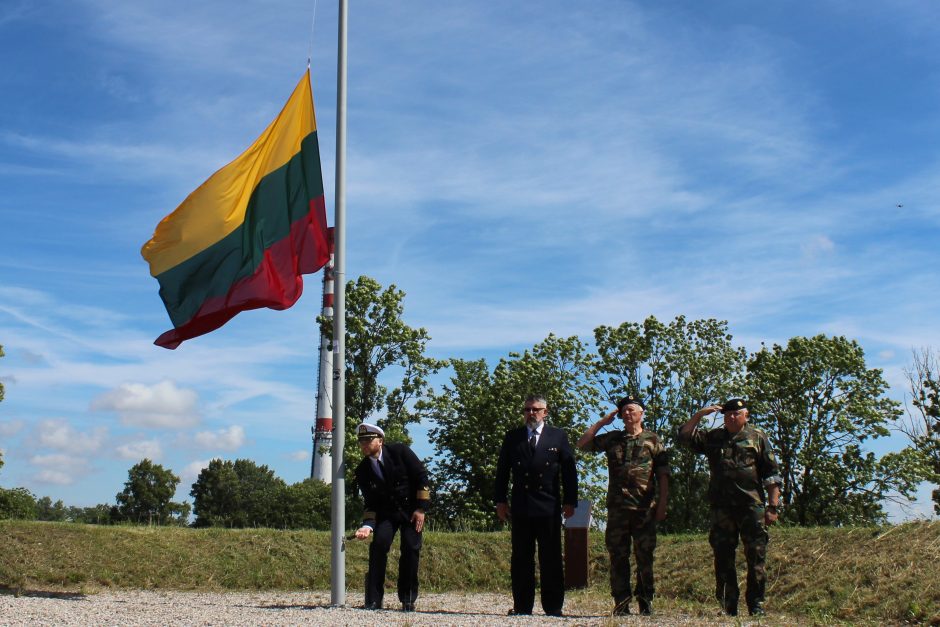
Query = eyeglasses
x=534 y=410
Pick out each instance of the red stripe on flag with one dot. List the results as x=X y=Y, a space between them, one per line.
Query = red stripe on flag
x=276 y=283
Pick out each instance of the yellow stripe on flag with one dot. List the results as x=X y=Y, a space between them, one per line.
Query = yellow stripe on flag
x=217 y=207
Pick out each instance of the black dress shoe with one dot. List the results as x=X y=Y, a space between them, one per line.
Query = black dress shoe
x=553 y=613
x=731 y=610
x=372 y=605
x=757 y=610
x=407 y=607
x=622 y=608
x=515 y=612
x=645 y=607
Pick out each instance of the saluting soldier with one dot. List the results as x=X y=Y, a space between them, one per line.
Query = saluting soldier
x=539 y=459
x=637 y=496
x=394 y=486
x=743 y=470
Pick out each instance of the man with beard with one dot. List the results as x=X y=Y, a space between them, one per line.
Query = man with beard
x=541 y=464
x=394 y=486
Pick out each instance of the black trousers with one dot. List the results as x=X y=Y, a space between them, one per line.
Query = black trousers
x=382 y=537
x=527 y=532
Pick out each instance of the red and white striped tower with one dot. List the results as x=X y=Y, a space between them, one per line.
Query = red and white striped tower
x=321 y=466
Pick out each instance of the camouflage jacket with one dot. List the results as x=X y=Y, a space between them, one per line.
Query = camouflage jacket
x=633 y=464
x=742 y=464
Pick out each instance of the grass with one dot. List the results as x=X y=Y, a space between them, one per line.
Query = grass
x=825 y=575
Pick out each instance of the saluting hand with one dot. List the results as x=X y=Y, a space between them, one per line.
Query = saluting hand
x=609 y=418
x=418 y=519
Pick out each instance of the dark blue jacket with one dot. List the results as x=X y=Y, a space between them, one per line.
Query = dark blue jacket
x=539 y=477
x=403 y=490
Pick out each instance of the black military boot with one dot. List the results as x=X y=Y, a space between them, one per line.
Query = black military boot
x=621 y=607
x=646 y=608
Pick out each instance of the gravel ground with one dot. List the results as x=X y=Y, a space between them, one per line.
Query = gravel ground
x=309 y=608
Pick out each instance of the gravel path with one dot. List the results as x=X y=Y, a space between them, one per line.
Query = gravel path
x=306 y=608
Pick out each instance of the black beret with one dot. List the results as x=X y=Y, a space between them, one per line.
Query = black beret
x=628 y=400
x=734 y=404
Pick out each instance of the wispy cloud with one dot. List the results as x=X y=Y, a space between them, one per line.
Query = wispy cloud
x=299 y=456
x=229 y=439
x=162 y=405
x=191 y=471
x=59 y=435
x=14 y=11
x=60 y=468
x=141 y=449
x=9 y=428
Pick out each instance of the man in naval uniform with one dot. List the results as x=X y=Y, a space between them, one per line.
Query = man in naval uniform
x=540 y=462
x=394 y=486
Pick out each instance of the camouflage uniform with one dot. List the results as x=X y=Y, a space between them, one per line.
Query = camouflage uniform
x=633 y=464
x=742 y=465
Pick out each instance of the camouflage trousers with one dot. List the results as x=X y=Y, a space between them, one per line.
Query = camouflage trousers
x=623 y=526
x=727 y=524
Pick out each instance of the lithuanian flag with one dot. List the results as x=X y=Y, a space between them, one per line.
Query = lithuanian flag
x=243 y=239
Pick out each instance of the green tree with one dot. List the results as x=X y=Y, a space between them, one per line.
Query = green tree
x=237 y=494
x=820 y=404
x=473 y=413
x=379 y=345
x=96 y=515
x=922 y=426
x=147 y=494
x=677 y=369
x=304 y=505
x=49 y=511
x=17 y=503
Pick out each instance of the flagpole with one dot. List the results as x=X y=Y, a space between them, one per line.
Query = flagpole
x=338 y=548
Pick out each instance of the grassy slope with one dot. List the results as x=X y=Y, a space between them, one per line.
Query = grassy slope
x=857 y=574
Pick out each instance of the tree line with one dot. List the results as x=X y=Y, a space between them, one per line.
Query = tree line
x=816 y=398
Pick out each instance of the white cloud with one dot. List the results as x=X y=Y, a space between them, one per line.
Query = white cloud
x=59 y=468
x=225 y=439
x=818 y=246
x=149 y=449
x=162 y=405
x=9 y=428
x=58 y=434
x=14 y=11
x=299 y=456
x=191 y=472
x=55 y=477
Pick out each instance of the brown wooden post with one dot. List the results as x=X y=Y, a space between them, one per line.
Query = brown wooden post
x=576 y=546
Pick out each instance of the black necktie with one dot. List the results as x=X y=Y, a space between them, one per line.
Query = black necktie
x=533 y=439
x=379 y=468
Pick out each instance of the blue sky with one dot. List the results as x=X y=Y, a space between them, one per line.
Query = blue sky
x=516 y=168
